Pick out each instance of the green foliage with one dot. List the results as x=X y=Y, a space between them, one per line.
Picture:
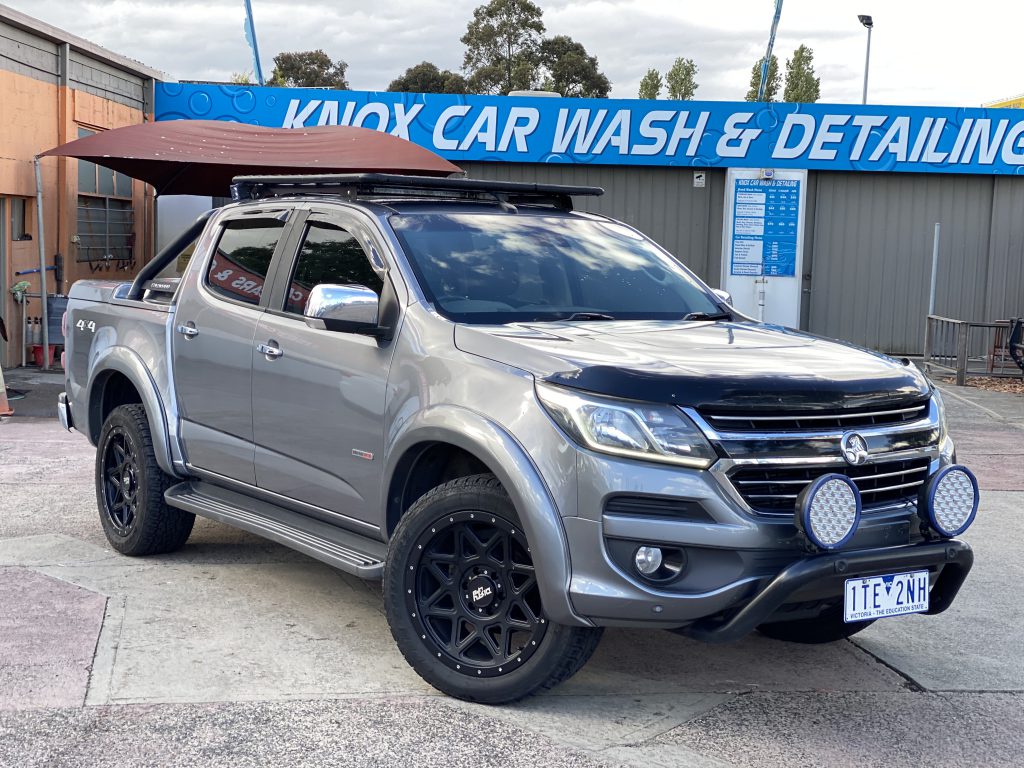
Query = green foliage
x=682 y=79
x=802 y=85
x=771 y=89
x=503 y=41
x=255 y=258
x=570 y=71
x=241 y=78
x=308 y=69
x=650 y=85
x=338 y=261
x=427 y=78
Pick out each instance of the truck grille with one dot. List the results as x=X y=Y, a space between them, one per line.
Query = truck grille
x=813 y=421
x=772 y=489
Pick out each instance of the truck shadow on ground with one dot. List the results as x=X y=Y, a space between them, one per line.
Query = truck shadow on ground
x=626 y=662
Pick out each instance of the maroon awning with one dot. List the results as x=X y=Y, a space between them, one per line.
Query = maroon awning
x=200 y=157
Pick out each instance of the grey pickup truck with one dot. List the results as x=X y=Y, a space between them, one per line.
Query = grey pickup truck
x=532 y=422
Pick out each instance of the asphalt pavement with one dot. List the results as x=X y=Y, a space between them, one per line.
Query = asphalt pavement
x=236 y=651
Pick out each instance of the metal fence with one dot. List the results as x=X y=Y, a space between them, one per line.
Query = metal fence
x=969 y=349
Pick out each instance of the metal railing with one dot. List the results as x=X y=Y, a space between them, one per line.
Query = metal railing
x=965 y=348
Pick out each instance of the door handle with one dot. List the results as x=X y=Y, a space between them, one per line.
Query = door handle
x=272 y=352
x=188 y=331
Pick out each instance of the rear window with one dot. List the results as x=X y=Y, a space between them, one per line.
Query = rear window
x=238 y=269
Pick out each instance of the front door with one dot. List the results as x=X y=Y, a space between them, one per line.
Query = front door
x=318 y=405
x=214 y=327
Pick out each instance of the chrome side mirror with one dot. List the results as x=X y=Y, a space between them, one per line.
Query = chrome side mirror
x=723 y=295
x=347 y=308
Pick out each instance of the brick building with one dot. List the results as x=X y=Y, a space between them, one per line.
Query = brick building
x=56 y=87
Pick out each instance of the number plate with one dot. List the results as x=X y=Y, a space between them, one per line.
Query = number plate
x=875 y=597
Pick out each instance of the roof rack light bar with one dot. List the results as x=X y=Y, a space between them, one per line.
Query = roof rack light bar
x=370 y=184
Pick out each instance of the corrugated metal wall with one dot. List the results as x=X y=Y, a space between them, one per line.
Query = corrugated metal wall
x=1004 y=288
x=872 y=241
x=868 y=240
x=660 y=202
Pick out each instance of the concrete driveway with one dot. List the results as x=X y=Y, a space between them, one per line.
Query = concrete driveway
x=238 y=651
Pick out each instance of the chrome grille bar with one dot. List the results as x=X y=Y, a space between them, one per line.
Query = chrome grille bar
x=917 y=409
x=772 y=488
x=739 y=422
x=805 y=482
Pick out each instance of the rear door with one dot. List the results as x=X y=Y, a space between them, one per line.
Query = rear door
x=318 y=406
x=215 y=322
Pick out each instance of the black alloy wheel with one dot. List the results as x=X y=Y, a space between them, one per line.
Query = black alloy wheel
x=473 y=591
x=120 y=477
x=130 y=488
x=463 y=598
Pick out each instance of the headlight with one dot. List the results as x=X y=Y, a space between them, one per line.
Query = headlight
x=941 y=407
x=625 y=428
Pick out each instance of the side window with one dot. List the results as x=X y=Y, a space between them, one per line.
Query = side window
x=238 y=269
x=329 y=255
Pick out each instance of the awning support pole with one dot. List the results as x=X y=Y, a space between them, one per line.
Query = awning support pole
x=41 y=240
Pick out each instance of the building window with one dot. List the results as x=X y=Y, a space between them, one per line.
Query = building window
x=106 y=220
x=19 y=219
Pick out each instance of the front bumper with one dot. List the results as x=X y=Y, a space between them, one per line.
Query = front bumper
x=952 y=559
x=64 y=411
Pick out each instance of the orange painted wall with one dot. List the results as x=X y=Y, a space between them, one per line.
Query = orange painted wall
x=35 y=116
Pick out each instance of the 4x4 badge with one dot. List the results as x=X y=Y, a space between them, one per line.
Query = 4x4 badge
x=854 y=448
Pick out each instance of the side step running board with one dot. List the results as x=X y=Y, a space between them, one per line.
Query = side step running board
x=350 y=552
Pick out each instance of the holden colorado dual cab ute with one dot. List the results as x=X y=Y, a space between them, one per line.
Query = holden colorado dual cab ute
x=532 y=422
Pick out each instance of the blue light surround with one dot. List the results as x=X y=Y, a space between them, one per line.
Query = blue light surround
x=932 y=488
x=805 y=509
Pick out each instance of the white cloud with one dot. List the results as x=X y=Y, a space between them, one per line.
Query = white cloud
x=922 y=52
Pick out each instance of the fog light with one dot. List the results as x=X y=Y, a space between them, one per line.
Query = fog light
x=951 y=500
x=828 y=511
x=648 y=560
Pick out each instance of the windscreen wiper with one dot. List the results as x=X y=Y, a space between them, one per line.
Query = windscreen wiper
x=708 y=316
x=588 y=316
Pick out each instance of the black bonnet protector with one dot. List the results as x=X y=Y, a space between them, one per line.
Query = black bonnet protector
x=723 y=365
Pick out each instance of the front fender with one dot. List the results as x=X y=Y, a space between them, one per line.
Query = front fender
x=127 y=362
x=510 y=463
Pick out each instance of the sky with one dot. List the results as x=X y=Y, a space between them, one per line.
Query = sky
x=933 y=52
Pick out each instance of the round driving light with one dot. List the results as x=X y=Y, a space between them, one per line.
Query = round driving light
x=648 y=560
x=951 y=500
x=828 y=511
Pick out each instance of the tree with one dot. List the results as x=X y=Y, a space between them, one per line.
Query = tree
x=241 y=78
x=308 y=69
x=650 y=85
x=771 y=89
x=681 y=80
x=801 y=83
x=503 y=42
x=570 y=71
x=427 y=78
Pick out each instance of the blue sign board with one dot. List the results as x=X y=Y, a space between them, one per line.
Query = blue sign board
x=766 y=215
x=635 y=132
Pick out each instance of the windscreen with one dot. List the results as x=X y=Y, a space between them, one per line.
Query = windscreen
x=500 y=268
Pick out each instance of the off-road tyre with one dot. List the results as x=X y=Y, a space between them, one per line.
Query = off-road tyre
x=130 y=488
x=827 y=628
x=475 y=518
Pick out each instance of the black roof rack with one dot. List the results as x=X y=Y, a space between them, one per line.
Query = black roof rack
x=355 y=185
